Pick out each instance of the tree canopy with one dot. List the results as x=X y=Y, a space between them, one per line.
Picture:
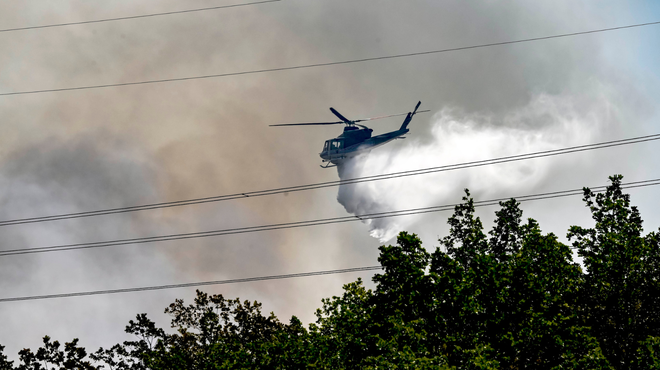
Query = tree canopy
x=512 y=298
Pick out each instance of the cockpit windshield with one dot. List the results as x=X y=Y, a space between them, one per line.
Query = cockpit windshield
x=335 y=144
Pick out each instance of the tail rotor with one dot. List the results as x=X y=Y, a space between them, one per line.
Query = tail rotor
x=404 y=125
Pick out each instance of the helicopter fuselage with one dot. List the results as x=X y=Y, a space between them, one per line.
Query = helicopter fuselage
x=354 y=141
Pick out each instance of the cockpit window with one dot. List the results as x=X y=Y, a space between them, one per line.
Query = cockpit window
x=325 y=146
x=336 y=144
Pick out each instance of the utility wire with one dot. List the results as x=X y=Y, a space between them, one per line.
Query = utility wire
x=135 y=16
x=316 y=273
x=188 y=285
x=422 y=171
x=316 y=222
x=305 y=66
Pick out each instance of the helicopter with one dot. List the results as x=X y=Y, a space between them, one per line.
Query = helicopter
x=356 y=139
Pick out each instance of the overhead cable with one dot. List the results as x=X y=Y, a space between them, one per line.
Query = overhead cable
x=316 y=222
x=326 y=64
x=136 y=16
x=290 y=189
x=188 y=285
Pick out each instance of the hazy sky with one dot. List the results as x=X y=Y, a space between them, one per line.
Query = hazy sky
x=92 y=149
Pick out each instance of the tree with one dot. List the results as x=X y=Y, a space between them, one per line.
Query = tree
x=51 y=356
x=385 y=328
x=621 y=290
x=212 y=333
x=5 y=364
x=508 y=301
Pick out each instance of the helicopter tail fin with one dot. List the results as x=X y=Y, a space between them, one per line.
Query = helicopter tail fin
x=409 y=117
x=406 y=121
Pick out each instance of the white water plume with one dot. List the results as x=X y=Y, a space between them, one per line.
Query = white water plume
x=547 y=122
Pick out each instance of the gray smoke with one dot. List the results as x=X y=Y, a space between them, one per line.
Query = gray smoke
x=80 y=174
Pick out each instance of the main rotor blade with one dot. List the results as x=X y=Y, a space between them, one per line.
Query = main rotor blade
x=308 y=124
x=346 y=120
x=391 y=115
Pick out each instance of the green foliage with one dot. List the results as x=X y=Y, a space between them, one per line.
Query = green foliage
x=211 y=333
x=51 y=356
x=511 y=298
x=5 y=364
x=385 y=328
x=648 y=353
x=507 y=301
x=621 y=291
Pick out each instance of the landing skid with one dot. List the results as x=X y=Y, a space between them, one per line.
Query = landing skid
x=328 y=165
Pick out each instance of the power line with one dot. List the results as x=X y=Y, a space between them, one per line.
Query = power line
x=290 y=189
x=305 y=66
x=316 y=222
x=135 y=16
x=550 y=195
x=188 y=285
